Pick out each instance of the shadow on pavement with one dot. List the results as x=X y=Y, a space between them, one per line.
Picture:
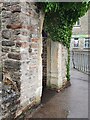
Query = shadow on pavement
x=47 y=95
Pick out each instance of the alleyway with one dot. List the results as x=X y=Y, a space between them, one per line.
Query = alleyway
x=71 y=103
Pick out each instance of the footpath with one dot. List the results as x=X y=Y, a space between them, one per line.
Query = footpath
x=70 y=103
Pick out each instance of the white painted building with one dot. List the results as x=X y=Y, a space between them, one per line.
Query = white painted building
x=80 y=34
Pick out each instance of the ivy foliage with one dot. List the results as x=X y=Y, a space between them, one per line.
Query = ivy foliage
x=59 y=20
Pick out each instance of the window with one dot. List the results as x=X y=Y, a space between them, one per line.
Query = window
x=77 y=23
x=76 y=42
x=87 y=42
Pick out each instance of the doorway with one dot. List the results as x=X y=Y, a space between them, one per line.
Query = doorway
x=44 y=59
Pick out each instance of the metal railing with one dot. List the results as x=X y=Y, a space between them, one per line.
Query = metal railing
x=80 y=60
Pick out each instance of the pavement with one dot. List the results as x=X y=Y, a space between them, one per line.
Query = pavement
x=70 y=103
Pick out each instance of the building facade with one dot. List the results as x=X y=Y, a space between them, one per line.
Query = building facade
x=80 y=44
x=80 y=33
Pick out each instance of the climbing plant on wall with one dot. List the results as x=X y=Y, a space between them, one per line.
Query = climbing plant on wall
x=59 y=20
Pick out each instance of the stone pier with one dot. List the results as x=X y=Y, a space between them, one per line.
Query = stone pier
x=56 y=64
x=21 y=57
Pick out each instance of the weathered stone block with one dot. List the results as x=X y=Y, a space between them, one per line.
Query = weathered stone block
x=16 y=32
x=14 y=3
x=6 y=14
x=34 y=39
x=14 y=26
x=5 y=49
x=12 y=65
x=15 y=38
x=15 y=17
x=6 y=34
x=14 y=56
x=16 y=78
x=30 y=50
x=15 y=49
x=6 y=4
x=8 y=43
x=24 y=32
x=35 y=46
x=16 y=8
x=18 y=44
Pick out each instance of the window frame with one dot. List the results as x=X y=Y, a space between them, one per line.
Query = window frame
x=76 y=39
x=87 y=41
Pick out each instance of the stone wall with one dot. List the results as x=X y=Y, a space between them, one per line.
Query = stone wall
x=21 y=57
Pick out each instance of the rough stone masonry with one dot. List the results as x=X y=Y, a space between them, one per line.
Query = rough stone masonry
x=21 y=45
x=20 y=26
